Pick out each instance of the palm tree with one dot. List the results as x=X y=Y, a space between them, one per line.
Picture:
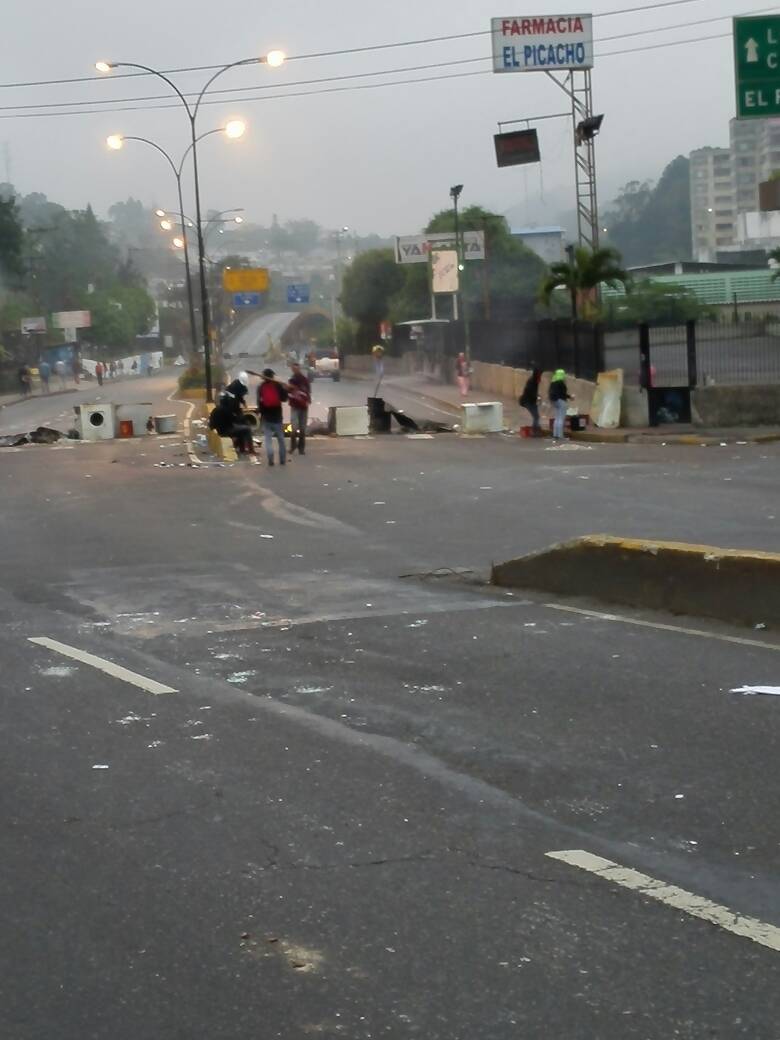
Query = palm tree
x=584 y=272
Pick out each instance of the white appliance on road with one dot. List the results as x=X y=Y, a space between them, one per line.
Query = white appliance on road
x=97 y=421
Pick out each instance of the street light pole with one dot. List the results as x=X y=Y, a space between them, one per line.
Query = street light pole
x=274 y=59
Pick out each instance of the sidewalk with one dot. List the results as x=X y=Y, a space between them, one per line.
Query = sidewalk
x=446 y=396
x=9 y=399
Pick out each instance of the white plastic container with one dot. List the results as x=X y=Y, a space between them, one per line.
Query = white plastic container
x=484 y=417
x=348 y=421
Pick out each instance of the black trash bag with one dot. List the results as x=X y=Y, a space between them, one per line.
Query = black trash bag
x=12 y=440
x=44 y=435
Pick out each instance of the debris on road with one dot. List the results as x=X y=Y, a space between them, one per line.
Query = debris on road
x=752 y=691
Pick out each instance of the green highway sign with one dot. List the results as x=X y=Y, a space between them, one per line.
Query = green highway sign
x=757 y=66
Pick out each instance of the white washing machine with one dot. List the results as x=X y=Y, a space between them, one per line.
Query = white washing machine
x=98 y=422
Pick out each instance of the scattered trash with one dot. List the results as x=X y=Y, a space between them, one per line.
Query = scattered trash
x=57 y=671
x=760 y=627
x=201 y=736
x=156 y=744
x=266 y=536
x=100 y=766
x=752 y=691
x=238 y=678
x=13 y=440
x=45 y=435
x=679 y=796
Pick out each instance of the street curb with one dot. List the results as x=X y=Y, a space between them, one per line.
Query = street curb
x=734 y=585
x=40 y=397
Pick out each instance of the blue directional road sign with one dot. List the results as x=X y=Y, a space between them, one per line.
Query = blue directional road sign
x=249 y=299
x=298 y=293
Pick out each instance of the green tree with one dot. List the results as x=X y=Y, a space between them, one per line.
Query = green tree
x=656 y=302
x=119 y=314
x=508 y=280
x=589 y=270
x=652 y=223
x=302 y=236
x=11 y=244
x=370 y=283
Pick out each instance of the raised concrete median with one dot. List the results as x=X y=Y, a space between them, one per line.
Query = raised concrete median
x=736 y=585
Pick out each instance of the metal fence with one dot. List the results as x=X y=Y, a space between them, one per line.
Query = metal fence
x=742 y=353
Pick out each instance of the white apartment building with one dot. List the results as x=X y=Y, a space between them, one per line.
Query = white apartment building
x=724 y=187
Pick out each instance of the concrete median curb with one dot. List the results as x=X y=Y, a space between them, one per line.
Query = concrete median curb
x=740 y=586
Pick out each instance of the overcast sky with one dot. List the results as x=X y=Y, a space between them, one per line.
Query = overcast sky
x=376 y=160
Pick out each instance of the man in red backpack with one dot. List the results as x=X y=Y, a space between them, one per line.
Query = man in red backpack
x=271 y=394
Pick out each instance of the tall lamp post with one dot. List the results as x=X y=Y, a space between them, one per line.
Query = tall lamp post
x=232 y=130
x=274 y=59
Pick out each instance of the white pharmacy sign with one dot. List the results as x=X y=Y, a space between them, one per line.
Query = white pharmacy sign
x=416 y=249
x=542 y=43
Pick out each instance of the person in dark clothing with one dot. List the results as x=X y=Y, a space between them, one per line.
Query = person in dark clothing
x=237 y=391
x=529 y=400
x=226 y=421
x=559 y=395
x=271 y=394
x=25 y=382
x=300 y=399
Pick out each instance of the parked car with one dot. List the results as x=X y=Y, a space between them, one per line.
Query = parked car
x=323 y=361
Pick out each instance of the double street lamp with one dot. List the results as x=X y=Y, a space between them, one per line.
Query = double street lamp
x=274 y=59
x=233 y=130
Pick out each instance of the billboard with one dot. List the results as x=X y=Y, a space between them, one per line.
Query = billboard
x=245 y=279
x=444 y=270
x=542 y=43
x=517 y=148
x=33 y=325
x=71 y=320
x=416 y=249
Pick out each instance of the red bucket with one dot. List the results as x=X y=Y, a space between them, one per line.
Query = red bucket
x=126 y=428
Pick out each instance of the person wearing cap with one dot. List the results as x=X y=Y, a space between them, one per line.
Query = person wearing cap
x=271 y=394
x=559 y=396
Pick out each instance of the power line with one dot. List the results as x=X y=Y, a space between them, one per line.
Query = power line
x=324 y=54
x=338 y=90
x=362 y=75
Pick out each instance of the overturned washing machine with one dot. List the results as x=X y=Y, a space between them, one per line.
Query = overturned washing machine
x=97 y=422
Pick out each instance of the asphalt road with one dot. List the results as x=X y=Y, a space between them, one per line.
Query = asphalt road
x=255 y=333
x=339 y=824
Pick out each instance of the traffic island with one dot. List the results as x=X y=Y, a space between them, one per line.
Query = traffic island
x=734 y=585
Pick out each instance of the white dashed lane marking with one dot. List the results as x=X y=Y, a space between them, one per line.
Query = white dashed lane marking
x=697 y=906
x=116 y=671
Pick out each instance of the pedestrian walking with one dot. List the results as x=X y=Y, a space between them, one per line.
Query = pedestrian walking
x=44 y=372
x=75 y=368
x=24 y=380
x=559 y=396
x=300 y=399
x=270 y=396
x=61 y=370
x=529 y=399
x=99 y=373
x=463 y=374
x=112 y=369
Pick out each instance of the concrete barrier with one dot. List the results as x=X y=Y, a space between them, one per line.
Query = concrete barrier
x=734 y=585
x=736 y=405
